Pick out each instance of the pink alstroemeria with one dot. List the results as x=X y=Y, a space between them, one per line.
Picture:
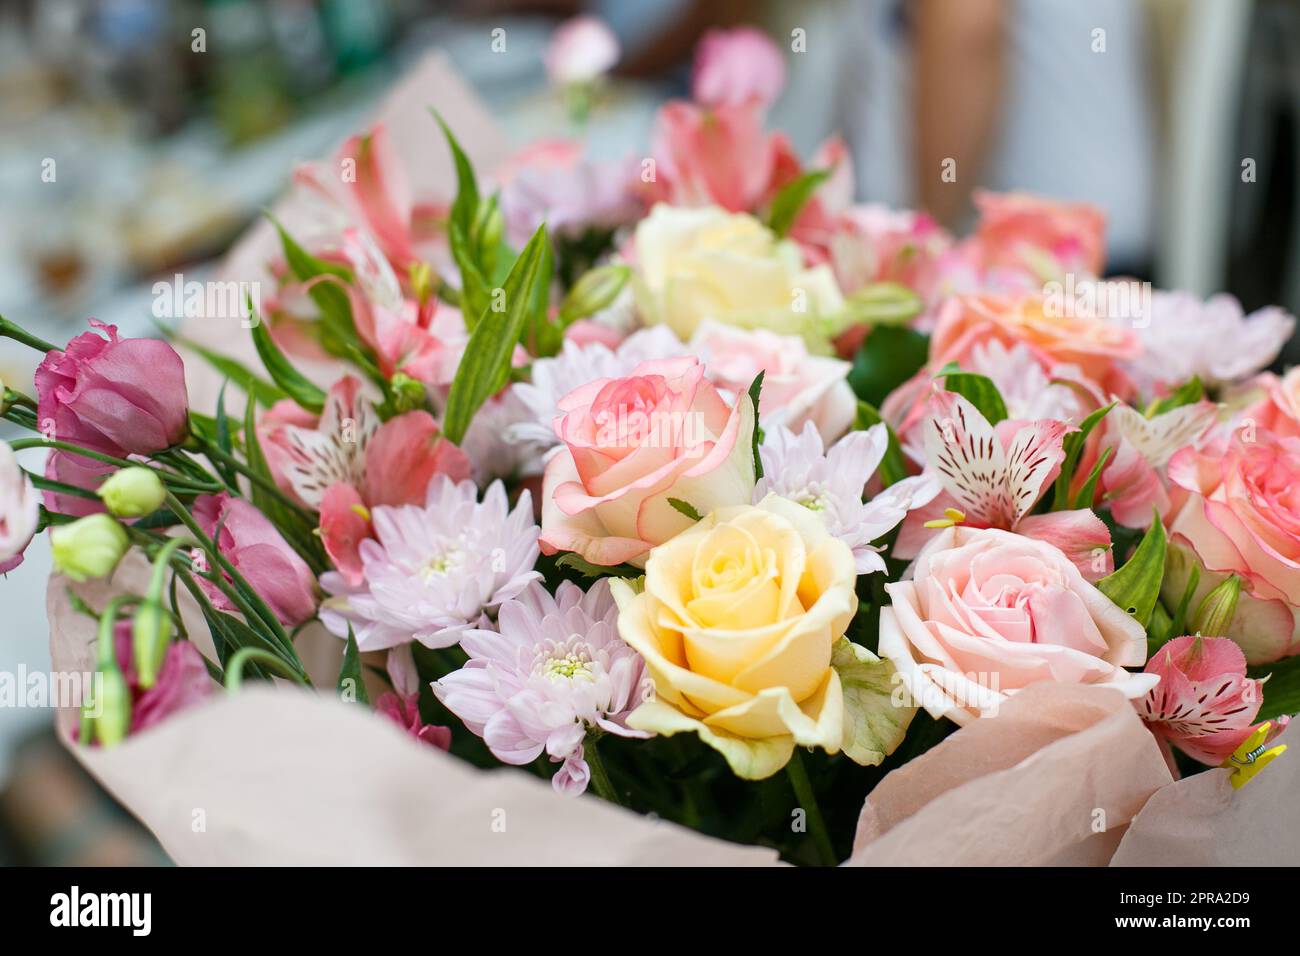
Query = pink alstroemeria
x=719 y=156
x=1204 y=705
x=993 y=476
x=1132 y=482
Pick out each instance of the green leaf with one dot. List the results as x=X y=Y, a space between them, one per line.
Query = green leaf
x=1188 y=393
x=475 y=296
x=1136 y=585
x=464 y=209
x=351 y=685
x=589 y=570
x=286 y=377
x=685 y=508
x=893 y=466
x=792 y=198
x=755 y=391
x=222 y=437
x=337 y=329
x=485 y=366
x=980 y=391
x=1282 y=692
x=888 y=358
x=1088 y=491
x=1073 y=445
x=874 y=723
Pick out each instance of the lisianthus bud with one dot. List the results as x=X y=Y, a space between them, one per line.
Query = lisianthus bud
x=114 y=705
x=89 y=547
x=133 y=492
x=596 y=290
x=1214 y=616
x=150 y=632
x=489 y=226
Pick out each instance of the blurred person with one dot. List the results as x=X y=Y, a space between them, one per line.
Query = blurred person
x=1048 y=96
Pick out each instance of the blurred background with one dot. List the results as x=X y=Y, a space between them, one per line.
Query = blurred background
x=138 y=138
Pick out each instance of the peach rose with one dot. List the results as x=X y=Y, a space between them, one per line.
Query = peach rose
x=1278 y=411
x=631 y=444
x=982 y=614
x=1093 y=344
x=1236 y=510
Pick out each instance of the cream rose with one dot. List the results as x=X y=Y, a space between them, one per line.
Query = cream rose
x=983 y=613
x=707 y=263
x=737 y=624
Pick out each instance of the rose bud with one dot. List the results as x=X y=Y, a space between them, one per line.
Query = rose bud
x=89 y=547
x=133 y=492
x=114 y=395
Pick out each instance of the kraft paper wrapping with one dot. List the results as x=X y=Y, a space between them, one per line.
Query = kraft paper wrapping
x=1203 y=821
x=1051 y=780
x=280 y=776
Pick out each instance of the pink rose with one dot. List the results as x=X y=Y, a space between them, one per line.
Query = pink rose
x=257 y=551
x=797 y=387
x=1017 y=230
x=982 y=614
x=115 y=396
x=736 y=68
x=633 y=443
x=1204 y=704
x=1235 y=508
x=1278 y=411
x=581 y=50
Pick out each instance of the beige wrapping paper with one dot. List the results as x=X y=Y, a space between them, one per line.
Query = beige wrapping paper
x=1203 y=821
x=279 y=776
x=1052 y=780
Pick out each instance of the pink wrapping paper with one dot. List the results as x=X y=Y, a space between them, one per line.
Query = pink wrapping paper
x=1203 y=821
x=1052 y=780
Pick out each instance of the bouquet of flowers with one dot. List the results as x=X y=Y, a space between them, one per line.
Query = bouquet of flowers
x=687 y=483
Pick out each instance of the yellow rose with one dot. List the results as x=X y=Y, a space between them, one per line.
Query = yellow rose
x=706 y=263
x=737 y=623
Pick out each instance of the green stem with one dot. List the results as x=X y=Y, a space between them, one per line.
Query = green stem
x=803 y=792
x=599 y=778
x=235 y=668
x=219 y=454
x=180 y=482
x=10 y=331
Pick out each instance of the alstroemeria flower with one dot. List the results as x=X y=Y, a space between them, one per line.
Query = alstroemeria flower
x=1132 y=481
x=1204 y=705
x=553 y=670
x=993 y=476
x=738 y=67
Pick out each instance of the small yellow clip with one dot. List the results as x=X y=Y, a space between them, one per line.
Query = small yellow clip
x=952 y=517
x=1252 y=756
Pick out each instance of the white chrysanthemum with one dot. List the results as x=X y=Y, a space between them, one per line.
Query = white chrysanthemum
x=553 y=378
x=432 y=572
x=554 y=669
x=831 y=483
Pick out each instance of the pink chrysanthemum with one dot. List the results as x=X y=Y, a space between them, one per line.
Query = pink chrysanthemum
x=831 y=481
x=431 y=572
x=555 y=668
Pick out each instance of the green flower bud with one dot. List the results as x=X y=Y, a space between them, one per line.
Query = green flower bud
x=151 y=631
x=596 y=290
x=89 y=547
x=1214 y=616
x=408 y=393
x=133 y=492
x=114 y=705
